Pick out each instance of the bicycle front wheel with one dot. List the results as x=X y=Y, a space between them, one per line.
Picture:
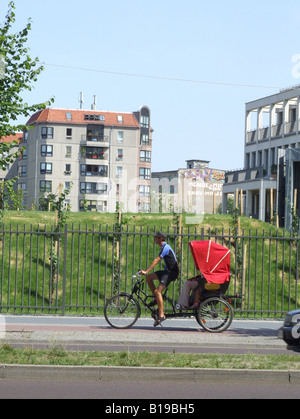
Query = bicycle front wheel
x=121 y=311
x=215 y=315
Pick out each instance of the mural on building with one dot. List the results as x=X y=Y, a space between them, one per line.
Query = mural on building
x=207 y=175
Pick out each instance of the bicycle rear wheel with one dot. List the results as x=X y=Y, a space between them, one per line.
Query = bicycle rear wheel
x=122 y=311
x=215 y=315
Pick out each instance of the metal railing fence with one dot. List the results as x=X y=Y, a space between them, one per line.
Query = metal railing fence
x=77 y=269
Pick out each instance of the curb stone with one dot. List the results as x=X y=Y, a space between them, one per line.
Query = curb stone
x=102 y=373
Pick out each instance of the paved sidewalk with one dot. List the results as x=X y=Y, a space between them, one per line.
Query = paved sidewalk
x=245 y=333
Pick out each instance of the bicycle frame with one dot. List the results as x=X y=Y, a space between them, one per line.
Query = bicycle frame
x=137 y=290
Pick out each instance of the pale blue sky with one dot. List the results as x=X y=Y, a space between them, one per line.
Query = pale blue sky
x=235 y=44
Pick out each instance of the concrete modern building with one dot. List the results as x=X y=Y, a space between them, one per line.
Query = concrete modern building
x=196 y=189
x=272 y=132
x=104 y=156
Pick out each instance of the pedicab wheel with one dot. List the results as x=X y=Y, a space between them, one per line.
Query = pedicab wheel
x=214 y=315
x=122 y=311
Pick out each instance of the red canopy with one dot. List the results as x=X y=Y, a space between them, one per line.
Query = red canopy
x=212 y=259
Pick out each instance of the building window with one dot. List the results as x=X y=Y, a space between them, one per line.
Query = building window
x=87 y=205
x=46 y=168
x=90 y=117
x=144 y=139
x=87 y=187
x=145 y=121
x=144 y=190
x=22 y=171
x=119 y=171
x=93 y=188
x=172 y=190
x=120 y=154
x=46 y=150
x=93 y=170
x=69 y=133
x=101 y=188
x=23 y=154
x=45 y=186
x=145 y=156
x=25 y=137
x=120 y=118
x=68 y=169
x=145 y=173
x=95 y=133
x=47 y=132
x=120 y=136
x=93 y=153
x=22 y=186
x=68 y=151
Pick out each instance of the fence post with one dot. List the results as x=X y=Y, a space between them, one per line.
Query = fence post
x=65 y=270
x=243 y=277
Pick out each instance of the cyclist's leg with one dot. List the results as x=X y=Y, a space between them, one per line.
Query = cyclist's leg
x=163 y=277
x=159 y=299
x=150 y=278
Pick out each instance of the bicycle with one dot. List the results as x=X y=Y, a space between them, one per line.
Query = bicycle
x=214 y=314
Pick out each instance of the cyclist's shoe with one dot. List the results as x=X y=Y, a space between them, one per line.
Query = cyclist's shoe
x=179 y=307
x=159 y=320
x=154 y=314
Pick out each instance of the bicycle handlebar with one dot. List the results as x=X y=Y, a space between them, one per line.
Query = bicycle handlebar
x=137 y=276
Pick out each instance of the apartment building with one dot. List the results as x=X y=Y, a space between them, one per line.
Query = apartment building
x=11 y=170
x=105 y=157
x=268 y=183
x=196 y=189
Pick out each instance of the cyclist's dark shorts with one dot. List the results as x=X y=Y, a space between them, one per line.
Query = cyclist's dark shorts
x=165 y=277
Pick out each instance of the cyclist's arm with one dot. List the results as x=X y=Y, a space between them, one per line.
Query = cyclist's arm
x=153 y=264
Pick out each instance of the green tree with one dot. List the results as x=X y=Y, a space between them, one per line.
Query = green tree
x=18 y=71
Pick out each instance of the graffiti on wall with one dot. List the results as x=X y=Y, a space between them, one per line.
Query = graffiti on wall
x=208 y=175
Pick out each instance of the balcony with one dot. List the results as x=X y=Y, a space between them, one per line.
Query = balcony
x=244 y=175
x=96 y=153
x=93 y=170
x=90 y=138
x=275 y=131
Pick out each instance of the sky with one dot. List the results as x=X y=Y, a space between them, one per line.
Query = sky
x=195 y=64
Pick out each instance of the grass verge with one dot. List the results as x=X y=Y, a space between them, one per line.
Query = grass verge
x=58 y=355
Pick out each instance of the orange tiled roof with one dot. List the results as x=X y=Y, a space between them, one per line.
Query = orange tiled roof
x=78 y=117
x=10 y=138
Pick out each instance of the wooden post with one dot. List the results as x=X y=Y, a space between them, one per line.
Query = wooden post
x=241 y=197
x=180 y=227
x=56 y=216
x=236 y=198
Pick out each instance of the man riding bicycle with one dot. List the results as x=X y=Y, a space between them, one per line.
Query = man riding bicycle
x=166 y=276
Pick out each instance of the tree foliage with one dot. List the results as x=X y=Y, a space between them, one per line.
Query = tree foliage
x=18 y=71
